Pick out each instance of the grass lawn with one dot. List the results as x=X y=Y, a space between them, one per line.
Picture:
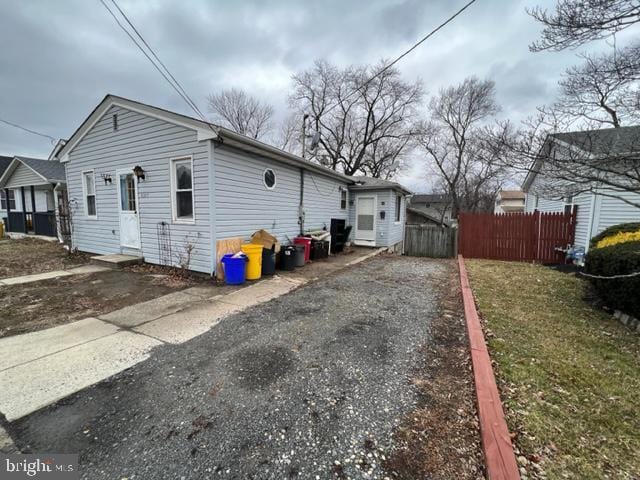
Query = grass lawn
x=568 y=373
x=31 y=255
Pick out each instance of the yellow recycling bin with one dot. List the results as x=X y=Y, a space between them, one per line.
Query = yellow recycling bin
x=254 y=265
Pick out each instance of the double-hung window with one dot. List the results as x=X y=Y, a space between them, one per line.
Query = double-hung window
x=89 y=187
x=182 y=189
x=398 y=207
x=11 y=202
x=343 y=199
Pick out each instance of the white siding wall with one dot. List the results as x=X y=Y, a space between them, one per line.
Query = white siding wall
x=150 y=143
x=244 y=204
x=388 y=233
x=322 y=201
x=23 y=176
x=583 y=204
x=611 y=211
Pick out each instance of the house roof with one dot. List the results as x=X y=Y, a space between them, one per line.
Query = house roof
x=51 y=171
x=369 y=183
x=204 y=131
x=4 y=163
x=511 y=194
x=606 y=142
x=424 y=214
x=431 y=198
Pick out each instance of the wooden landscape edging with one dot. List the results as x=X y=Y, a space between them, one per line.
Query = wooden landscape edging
x=499 y=456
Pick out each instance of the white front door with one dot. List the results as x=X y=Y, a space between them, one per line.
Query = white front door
x=128 y=207
x=366 y=220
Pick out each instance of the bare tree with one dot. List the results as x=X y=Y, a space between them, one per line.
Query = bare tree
x=241 y=113
x=366 y=116
x=576 y=22
x=452 y=139
x=606 y=162
x=597 y=93
x=287 y=136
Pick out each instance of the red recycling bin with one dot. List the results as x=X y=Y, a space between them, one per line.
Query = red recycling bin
x=306 y=241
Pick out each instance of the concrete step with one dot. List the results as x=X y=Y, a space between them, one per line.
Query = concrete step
x=116 y=260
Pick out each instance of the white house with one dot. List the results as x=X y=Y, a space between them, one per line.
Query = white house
x=597 y=205
x=509 y=201
x=139 y=176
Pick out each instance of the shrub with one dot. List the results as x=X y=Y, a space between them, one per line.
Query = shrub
x=620 y=237
x=619 y=259
x=614 y=229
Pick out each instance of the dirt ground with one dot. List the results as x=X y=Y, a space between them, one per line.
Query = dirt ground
x=30 y=255
x=38 y=305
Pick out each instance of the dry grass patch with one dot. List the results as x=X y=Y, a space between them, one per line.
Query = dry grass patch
x=30 y=255
x=569 y=374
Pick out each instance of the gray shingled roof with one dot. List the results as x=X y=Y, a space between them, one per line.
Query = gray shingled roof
x=52 y=170
x=4 y=163
x=608 y=141
x=370 y=183
x=431 y=198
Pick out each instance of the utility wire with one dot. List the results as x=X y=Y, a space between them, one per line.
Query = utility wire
x=53 y=140
x=406 y=52
x=191 y=102
x=187 y=100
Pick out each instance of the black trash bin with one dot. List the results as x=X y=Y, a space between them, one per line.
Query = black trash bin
x=268 y=261
x=288 y=258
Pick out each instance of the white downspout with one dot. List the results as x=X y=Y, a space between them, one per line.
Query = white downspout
x=55 y=204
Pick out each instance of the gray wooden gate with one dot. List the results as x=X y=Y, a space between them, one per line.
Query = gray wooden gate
x=430 y=241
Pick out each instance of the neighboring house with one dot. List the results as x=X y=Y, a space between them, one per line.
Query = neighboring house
x=30 y=187
x=419 y=217
x=143 y=180
x=378 y=212
x=596 y=209
x=436 y=206
x=4 y=164
x=509 y=201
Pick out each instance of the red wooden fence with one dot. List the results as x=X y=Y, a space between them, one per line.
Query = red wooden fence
x=520 y=237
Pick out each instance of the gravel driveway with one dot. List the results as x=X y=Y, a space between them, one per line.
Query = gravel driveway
x=310 y=385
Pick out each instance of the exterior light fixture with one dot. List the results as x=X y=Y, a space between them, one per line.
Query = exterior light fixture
x=138 y=172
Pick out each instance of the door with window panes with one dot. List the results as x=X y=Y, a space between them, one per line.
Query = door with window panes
x=128 y=208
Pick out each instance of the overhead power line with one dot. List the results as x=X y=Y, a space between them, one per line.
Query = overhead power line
x=407 y=52
x=162 y=69
x=52 y=139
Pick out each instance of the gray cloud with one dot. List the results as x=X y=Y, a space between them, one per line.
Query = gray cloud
x=60 y=58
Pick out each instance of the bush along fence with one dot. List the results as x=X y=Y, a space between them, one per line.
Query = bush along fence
x=520 y=237
x=612 y=265
x=430 y=241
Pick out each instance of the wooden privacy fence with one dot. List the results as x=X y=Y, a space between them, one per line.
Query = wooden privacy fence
x=522 y=237
x=429 y=241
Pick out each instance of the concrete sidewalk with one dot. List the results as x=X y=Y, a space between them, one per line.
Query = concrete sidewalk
x=36 y=277
x=37 y=369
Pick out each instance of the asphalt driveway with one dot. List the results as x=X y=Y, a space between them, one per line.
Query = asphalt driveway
x=309 y=385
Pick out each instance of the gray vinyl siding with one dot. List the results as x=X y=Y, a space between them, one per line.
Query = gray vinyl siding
x=387 y=232
x=243 y=204
x=583 y=204
x=151 y=143
x=322 y=201
x=23 y=176
x=612 y=211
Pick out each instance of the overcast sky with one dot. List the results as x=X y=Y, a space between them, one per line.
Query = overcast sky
x=59 y=59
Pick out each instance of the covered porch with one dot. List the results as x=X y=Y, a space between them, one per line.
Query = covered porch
x=31 y=191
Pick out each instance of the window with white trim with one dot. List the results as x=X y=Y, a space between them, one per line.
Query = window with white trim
x=3 y=200
x=343 y=199
x=89 y=187
x=398 y=207
x=182 y=188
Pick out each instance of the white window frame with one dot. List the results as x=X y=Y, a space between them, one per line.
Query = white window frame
x=174 y=190
x=275 y=179
x=343 y=191
x=84 y=194
x=8 y=199
x=398 y=211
